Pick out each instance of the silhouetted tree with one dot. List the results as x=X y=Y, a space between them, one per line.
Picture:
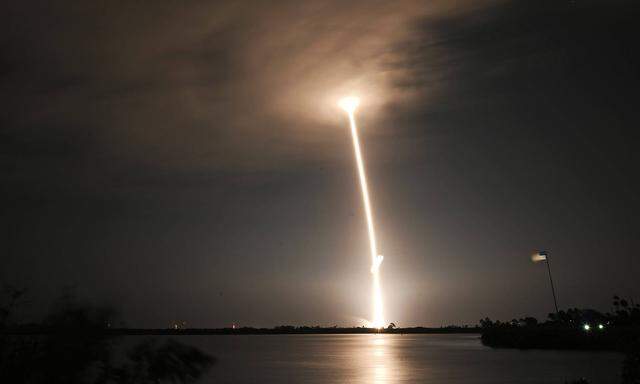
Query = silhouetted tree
x=77 y=350
x=486 y=323
x=625 y=313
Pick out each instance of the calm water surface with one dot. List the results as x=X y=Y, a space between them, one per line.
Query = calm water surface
x=393 y=359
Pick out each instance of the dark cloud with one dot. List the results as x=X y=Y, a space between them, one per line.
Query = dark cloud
x=526 y=115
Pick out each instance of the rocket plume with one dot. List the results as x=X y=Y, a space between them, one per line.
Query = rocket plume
x=350 y=104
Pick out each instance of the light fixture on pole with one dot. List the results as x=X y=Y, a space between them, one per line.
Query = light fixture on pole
x=544 y=256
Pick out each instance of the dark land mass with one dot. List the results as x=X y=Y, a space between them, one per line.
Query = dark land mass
x=585 y=329
x=540 y=337
x=577 y=329
x=282 y=330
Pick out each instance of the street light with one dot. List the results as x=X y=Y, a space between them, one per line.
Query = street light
x=544 y=256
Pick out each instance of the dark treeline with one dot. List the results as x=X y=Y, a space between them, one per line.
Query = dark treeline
x=104 y=326
x=279 y=330
x=36 y=329
x=624 y=314
x=571 y=329
x=585 y=329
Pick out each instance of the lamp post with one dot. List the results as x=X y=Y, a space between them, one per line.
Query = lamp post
x=544 y=256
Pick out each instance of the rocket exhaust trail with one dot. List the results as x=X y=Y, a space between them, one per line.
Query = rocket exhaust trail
x=349 y=105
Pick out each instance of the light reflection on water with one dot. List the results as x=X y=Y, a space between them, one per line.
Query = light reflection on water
x=384 y=363
x=386 y=359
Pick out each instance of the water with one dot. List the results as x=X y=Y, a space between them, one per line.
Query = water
x=387 y=359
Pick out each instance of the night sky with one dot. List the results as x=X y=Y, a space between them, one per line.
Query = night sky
x=187 y=161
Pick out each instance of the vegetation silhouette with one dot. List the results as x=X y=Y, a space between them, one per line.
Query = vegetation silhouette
x=76 y=350
x=618 y=330
x=278 y=330
x=571 y=329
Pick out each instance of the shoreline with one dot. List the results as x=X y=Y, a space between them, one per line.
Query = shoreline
x=243 y=331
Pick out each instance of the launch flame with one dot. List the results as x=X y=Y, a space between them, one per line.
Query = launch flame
x=349 y=104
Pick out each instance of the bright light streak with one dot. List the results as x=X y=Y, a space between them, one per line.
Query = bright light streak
x=349 y=104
